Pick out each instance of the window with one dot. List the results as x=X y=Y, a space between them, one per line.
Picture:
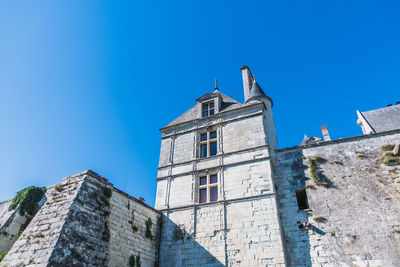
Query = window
x=208 y=109
x=301 y=197
x=208 y=188
x=208 y=144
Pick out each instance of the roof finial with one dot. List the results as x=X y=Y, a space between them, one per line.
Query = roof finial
x=216 y=84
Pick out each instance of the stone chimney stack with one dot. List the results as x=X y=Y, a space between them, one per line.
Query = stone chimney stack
x=247 y=81
x=325 y=133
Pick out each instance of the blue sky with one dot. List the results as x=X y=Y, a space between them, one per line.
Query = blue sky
x=87 y=84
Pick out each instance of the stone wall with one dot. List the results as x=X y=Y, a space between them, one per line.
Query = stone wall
x=354 y=215
x=242 y=227
x=36 y=244
x=231 y=233
x=10 y=225
x=85 y=221
x=128 y=228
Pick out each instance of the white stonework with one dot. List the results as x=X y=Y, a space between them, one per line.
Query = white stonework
x=326 y=204
x=242 y=227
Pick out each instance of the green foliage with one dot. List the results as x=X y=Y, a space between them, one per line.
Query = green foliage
x=2 y=255
x=132 y=261
x=310 y=186
x=149 y=224
x=316 y=174
x=388 y=158
x=134 y=228
x=312 y=164
x=106 y=232
x=387 y=147
x=138 y=262
x=160 y=223
x=107 y=192
x=27 y=200
x=320 y=219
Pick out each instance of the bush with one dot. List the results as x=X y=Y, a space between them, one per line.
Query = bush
x=27 y=200
x=149 y=224
x=319 y=219
x=388 y=158
x=2 y=255
x=132 y=261
x=387 y=147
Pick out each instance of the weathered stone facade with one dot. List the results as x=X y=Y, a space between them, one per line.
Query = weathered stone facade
x=226 y=196
x=85 y=221
x=240 y=228
x=359 y=210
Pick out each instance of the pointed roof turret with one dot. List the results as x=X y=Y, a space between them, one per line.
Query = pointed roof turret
x=256 y=92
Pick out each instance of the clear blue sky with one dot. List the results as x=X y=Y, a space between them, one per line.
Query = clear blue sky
x=87 y=84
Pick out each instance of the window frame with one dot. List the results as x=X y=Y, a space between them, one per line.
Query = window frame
x=208 y=186
x=208 y=143
x=206 y=107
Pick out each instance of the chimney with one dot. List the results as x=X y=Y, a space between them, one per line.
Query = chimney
x=247 y=81
x=325 y=133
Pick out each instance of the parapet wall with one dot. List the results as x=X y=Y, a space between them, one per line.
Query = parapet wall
x=129 y=228
x=352 y=220
x=85 y=221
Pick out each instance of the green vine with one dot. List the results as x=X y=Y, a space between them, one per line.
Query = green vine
x=160 y=223
x=107 y=192
x=149 y=224
x=312 y=163
x=132 y=261
x=138 y=262
x=2 y=255
x=27 y=200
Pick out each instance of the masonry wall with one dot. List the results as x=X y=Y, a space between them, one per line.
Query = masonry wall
x=237 y=136
x=36 y=244
x=127 y=221
x=85 y=221
x=242 y=227
x=10 y=225
x=358 y=211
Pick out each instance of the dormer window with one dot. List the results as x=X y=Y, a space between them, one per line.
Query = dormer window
x=208 y=109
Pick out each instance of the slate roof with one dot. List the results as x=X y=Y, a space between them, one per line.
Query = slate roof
x=227 y=104
x=383 y=119
x=255 y=91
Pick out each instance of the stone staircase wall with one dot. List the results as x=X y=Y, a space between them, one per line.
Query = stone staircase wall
x=85 y=221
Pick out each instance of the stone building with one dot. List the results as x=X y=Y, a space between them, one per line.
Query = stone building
x=227 y=195
x=379 y=120
x=215 y=185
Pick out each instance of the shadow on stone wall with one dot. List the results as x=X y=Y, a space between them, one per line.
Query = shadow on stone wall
x=180 y=248
x=290 y=177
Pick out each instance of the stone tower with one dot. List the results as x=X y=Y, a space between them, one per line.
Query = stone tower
x=215 y=186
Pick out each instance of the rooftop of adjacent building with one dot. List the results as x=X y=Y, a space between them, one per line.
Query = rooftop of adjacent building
x=383 y=119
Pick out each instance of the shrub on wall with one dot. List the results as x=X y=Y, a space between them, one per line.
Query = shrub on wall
x=2 y=255
x=27 y=200
x=149 y=224
x=387 y=157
